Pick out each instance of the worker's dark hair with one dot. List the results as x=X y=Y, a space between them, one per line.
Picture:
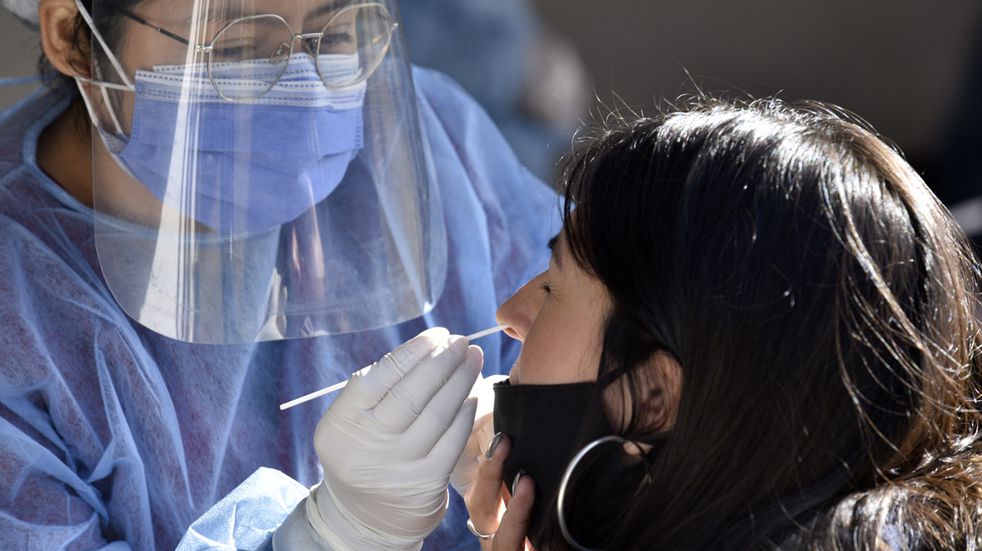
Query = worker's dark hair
x=822 y=306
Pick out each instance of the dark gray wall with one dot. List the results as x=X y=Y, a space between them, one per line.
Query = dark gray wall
x=899 y=64
x=20 y=54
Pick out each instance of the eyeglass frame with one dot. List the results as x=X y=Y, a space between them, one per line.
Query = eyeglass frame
x=208 y=48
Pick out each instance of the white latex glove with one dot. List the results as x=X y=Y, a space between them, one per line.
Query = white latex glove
x=481 y=436
x=389 y=442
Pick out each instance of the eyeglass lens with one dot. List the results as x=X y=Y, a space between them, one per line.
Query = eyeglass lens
x=259 y=49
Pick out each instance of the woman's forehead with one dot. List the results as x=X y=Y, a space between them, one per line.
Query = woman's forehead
x=182 y=12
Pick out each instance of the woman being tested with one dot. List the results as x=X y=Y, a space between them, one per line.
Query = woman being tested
x=757 y=331
x=215 y=207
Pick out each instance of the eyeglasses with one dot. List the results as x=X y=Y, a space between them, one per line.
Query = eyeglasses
x=264 y=44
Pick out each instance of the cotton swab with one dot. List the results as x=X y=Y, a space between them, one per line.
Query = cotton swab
x=335 y=387
x=487 y=332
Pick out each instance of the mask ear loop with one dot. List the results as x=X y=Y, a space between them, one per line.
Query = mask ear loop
x=127 y=85
x=87 y=17
x=112 y=110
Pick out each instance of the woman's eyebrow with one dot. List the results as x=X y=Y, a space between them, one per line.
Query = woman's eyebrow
x=556 y=250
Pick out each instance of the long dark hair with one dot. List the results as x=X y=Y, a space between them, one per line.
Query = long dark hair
x=822 y=306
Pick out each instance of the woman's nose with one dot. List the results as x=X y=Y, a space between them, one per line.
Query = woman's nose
x=518 y=312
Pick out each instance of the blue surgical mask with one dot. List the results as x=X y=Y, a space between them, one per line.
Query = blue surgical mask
x=257 y=165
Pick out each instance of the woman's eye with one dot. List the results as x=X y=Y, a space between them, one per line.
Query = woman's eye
x=336 y=39
x=235 y=52
x=546 y=287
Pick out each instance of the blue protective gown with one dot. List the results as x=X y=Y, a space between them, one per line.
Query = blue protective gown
x=112 y=436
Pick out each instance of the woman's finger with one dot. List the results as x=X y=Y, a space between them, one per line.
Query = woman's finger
x=484 y=497
x=514 y=526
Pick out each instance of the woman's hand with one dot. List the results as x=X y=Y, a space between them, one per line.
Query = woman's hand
x=497 y=509
x=389 y=442
x=479 y=442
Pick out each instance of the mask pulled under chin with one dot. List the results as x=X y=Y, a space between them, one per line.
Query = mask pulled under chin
x=548 y=425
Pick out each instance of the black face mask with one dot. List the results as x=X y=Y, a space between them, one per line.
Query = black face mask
x=547 y=426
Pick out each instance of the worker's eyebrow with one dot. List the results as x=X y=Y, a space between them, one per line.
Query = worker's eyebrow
x=556 y=250
x=225 y=14
x=327 y=8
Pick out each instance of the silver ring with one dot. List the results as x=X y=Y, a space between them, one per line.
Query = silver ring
x=478 y=535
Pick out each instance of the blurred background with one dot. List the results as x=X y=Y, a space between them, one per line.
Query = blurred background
x=912 y=69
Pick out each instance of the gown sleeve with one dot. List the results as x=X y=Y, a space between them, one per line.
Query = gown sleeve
x=66 y=478
x=248 y=516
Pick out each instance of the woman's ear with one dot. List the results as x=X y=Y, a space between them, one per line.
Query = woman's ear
x=661 y=392
x=658 y=389
x=57 y=19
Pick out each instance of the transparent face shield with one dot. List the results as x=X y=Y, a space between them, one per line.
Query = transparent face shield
x=261 y=171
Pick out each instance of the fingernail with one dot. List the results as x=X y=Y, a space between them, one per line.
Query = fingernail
x=495 y=440
x=514 y=484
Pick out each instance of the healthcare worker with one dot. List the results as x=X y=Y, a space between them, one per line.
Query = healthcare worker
x=220 y=206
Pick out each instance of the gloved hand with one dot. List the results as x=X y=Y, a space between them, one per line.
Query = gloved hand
x=389 y=442
x=481 y=435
